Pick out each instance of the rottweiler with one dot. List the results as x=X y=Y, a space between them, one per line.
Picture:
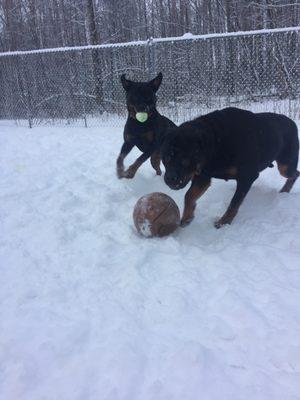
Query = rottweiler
x=228 y=144
x=146 y=135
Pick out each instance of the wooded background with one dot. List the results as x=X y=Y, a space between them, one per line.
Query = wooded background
x=200 y=73
x=31 y=24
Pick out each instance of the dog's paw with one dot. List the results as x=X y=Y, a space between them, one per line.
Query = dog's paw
x=186 y=221
x=129 y=173
x=220 y=222
x=120 y=173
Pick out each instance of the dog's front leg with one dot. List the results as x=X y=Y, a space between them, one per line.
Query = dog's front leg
x=199 y=186
x=130 y=172
x=125 y=150
x=242 y=188
x=155 y=162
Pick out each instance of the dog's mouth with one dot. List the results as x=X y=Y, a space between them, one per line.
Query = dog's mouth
x=176 y=187
x=141 y=113
x=176 y=184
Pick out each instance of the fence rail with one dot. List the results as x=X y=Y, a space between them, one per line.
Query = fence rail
x=201 y=73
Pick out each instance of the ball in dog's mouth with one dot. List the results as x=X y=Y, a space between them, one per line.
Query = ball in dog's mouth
x=141 y=116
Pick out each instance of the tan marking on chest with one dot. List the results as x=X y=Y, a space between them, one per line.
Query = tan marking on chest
x=231 y=171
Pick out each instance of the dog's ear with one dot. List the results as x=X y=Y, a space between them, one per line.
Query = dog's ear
x=155 y=83
x=125 y=82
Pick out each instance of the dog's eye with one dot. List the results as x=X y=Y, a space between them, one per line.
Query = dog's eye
x=185 y=162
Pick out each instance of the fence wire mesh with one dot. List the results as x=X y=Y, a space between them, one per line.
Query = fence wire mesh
x=258 y=71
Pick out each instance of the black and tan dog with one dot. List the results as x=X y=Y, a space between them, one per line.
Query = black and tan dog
x=147 y=135
x=229 y=144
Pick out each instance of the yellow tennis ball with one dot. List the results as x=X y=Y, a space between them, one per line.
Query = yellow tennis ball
x=141 y=116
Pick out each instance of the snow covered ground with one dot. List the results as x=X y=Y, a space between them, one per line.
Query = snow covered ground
x=91 y=311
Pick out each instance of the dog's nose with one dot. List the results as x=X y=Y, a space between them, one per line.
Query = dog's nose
x=173 y=181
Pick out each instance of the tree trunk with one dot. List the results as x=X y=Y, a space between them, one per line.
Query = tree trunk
x=92 y=39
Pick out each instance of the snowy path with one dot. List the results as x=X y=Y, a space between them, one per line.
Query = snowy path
x=90 y=311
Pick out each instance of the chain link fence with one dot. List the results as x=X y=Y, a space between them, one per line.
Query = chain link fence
x=258 y=70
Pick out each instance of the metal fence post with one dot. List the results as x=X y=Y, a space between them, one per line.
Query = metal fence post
x=150 y=58
x=29 y=113
x=26 y=92
x=82 y=93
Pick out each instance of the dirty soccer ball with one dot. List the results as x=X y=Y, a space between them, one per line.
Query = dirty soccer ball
x=156 y=214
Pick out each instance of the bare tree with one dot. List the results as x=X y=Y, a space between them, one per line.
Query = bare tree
x=92 y=39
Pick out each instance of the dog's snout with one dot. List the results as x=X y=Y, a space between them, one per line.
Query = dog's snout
x=142 y=107
x=172 y=178
x=173 y=181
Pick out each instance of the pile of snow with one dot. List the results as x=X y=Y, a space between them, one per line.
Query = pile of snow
x=91 y=311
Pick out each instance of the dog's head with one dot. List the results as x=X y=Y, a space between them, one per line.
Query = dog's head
x=141 y=96
x=184 y=153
